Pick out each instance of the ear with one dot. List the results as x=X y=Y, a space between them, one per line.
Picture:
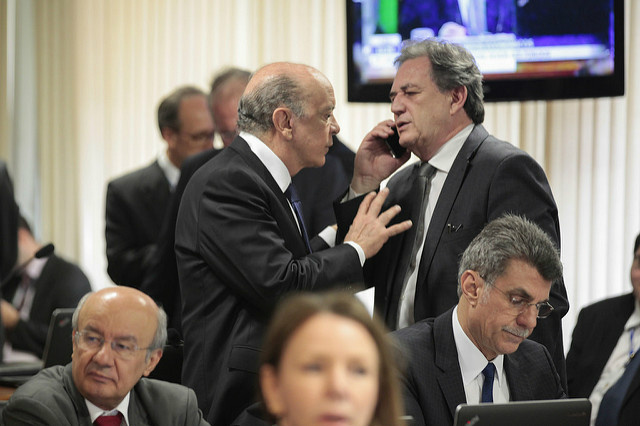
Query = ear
x=170 y=136
x=153 y=361
x=282 y=118
x=458 y=98
x=471 y=286
x=271 y=391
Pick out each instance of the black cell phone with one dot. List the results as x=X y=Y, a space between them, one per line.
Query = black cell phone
x=393 y=142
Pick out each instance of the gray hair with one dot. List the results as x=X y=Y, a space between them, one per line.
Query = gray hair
x=159 y=338
x=256 y=108
x=452 y=66
x=169 y=108
x=508 y=238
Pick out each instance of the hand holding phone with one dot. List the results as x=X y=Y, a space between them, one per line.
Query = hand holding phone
x=393 y=142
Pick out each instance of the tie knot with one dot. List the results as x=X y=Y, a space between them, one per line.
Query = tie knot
x=489 y=371
x=426 y=170
x=292 y=194
x=114 y=420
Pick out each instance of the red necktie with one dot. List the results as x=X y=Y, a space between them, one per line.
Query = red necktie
x=109 y=420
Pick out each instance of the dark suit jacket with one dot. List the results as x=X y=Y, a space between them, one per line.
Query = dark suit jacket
x=239 y=251
x=8 y=223
x=51 y=398
x=135 y=208
x=595 y=335
x=61 y=285
x=161 y=281
x=432 y=385
x=487 y=179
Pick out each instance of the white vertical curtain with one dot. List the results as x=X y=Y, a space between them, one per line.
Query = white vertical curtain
x=102 y=66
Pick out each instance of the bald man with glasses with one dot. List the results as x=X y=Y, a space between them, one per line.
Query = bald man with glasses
x=478 y=351
x=118 y=336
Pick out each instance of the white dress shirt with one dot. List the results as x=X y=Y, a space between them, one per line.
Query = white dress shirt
x=472 y=362
x=123 y=407
x=442 y=161
x=618 y=359
x=281 y=175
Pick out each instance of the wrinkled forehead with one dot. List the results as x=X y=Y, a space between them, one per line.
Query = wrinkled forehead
x=118 y=317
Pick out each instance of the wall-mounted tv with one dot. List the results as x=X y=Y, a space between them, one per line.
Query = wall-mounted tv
x=525 y=49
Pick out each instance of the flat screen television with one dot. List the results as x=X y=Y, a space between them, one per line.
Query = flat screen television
x=525 y=49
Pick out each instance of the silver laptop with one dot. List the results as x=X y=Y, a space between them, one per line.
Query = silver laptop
x=555 y=412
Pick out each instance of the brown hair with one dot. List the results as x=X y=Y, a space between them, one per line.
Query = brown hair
x=297 y=309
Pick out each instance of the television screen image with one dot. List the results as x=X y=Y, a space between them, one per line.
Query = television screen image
x=525 y=49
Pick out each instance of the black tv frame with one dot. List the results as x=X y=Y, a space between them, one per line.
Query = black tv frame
x=506 y=90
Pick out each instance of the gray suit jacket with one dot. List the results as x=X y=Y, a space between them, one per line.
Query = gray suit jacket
x=51 y=398
x=135 y=208
x=432 y=383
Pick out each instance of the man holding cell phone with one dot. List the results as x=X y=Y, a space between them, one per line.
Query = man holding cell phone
x=465 y=178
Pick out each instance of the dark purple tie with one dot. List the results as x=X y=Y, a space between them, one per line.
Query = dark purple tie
x=109 y=420
x=292 y=196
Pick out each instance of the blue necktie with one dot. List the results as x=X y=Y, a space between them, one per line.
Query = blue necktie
x=487 y=386
x=609 y=410
x=292 y=196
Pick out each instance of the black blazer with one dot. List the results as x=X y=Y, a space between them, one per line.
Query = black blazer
x=488 y=178
x=161 y=281
x=432 y=383
x=61 y=284
x=595 y=335
x=8 y=224
x=135 y=207
x=239 y=251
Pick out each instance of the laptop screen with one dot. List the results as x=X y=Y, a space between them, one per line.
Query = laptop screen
x=556 y=412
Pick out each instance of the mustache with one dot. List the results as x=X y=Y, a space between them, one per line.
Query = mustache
x=520 y=332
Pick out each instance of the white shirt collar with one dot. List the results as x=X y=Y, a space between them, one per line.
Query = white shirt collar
x=270 y=160
x=35 y=266
x=171 y=172
x=446 y=155
x=470 y=359
x=123 y=407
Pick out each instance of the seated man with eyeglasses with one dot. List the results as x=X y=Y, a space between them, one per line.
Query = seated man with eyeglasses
x=504 y=279
x=118 y=335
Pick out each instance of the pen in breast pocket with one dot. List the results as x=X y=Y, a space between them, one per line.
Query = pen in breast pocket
x=453 y=228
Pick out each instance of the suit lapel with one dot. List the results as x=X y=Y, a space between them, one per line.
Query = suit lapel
x=445 y=202
x=448 y=369
x=242 y=148
x=153 y=194
x=520 y=389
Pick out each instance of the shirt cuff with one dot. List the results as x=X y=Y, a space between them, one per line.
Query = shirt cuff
x=328 y=234
x=359 y=250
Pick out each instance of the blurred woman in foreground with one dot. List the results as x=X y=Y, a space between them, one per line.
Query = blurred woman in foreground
x=325 y=362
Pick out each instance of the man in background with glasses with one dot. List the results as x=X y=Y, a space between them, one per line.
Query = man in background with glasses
x=118 y=336
x=603 y=363
x=478 y=351
x=137 y=201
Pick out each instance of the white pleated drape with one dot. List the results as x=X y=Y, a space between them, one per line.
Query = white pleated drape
x=102 y=66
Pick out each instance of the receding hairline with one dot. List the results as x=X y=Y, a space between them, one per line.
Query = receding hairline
x=298 y=72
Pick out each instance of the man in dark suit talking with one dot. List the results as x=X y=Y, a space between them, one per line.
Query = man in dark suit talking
x=241 y=245
x=465 y=179
x=478 y=351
